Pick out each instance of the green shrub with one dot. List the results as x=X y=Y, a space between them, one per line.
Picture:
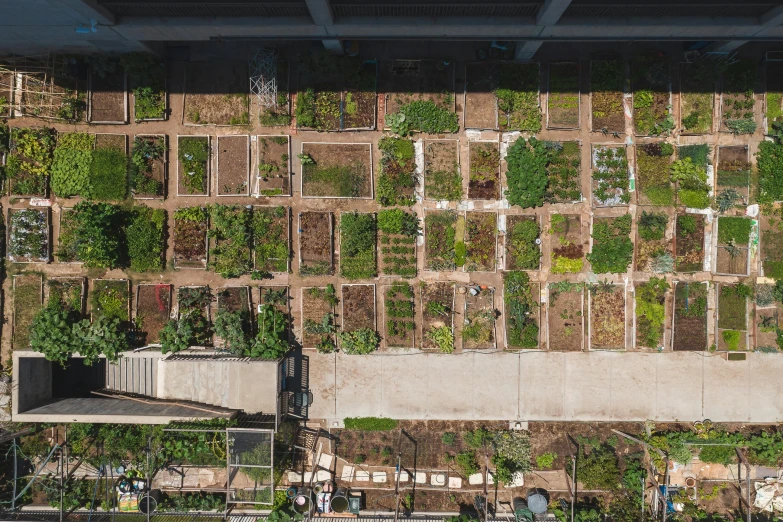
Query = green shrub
x=770 y=168
x=522 y=328
x=98 y=234
x=398 y=172
x=546 y=460
x=527 y=173
x=694 y=198
x=443 y=337
x=467 y=463
x=652 y=226
x=109 y=175
x=612 y=248
x=397 y=221
x=370 y=423
x=599 y=468
x=359 y=342
x=734 y=230
x=732 y=339
x=724 y=455
x=230 y=255
x=145 y=238
x=449 y=438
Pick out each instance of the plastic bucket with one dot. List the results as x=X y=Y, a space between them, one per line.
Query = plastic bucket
x=339 y=501
x=303 y=502
x=148 y=503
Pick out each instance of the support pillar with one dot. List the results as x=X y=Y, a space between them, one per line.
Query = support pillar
x=333 y=46
x=551 y=11
x=320 y=11
x=526 y=50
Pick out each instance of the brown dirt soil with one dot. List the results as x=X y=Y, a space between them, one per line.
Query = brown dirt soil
x=439 y=156
x=565 y=321
x=611 y=121
x=607 y=319
x=480 y=101
x=562 y=98
x=690 y=333
x=216 y=93
x=112 y=141
x=68 y=292
x=480 y=310
x=190 y=244
x=364 y=117
x=768 y=338
x=358 y=307
x=313 y=308
x=481 y=241
x=733 y=160
x=406 y=81
x=158 y=171
x=391 y=263
x=484 y=170
x=233 y=298
x=423 y=501
x=689 y=250
x=343 y=155
x=233 y=165
x=315 y=238
x=28 y=295
x=107 y=98
x=728 y=264
x=276 y=178
x=153 y=307
x=436 y=293
x=568 y=242
x=403 y=336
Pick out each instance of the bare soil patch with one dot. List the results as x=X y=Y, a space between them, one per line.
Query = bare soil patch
x=358 y=307
x=690 y=317
x=216 y=93
x=274 y=166
x=28 y=300
x=734 y=171
x=406 y=81
x=108 y=98
x=341 y=170
x=484 y=170
x=153 y=309
x=314 y=308
x=689 y=248
x=316 y=243
x=563 y=96
x=607 y=318
x=766 y=323
x=565 y=318
x=233 y=158
x=117 y=142
x=732 y=262
x=481 y=110
x=442 y=178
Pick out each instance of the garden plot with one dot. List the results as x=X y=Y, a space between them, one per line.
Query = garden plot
x=316 y=244
x=773 y=93
x=111 y=298
x=484 y=168
x=442 y=177
x=502 y=96
x=566 y=244
x=318 y=318
x=233 y=165
x=397 y=233
x=153 y=309
x=65 y=293
x=733 y=255
x=274 y=166
x=399 y=315
x=521 y=309
x=690 y=172
x=689 y=243
x=650 y=313
x=563 y=99
x=148 y=164
x=337 y=170
x=398 y=178
x=71 y=165
x=738 y=99
x=216 y=93
x=358 y=307
x=610 y=176
x=193 y=165
x=109 y=168
x=653 y=176
x=230 y=240
x=652 y=96
x=697 y=98
x=275 y=311
x=523 y=243
x=563 y=170
x=408 y=81
x=481 y=230
x=233 y=311
x=193 y=304
x=271 y=239
x=29 y=163
x=654 y=252
x=358 y=241
x=565 y=317
x=336 y=93
x=108 y=100
x=280 y=113
x=147 y=85
x=6 y=94
x=478 y=331
x=612 y=249
x=689 y=329
x=440 y=232
x=28 y=300
x=607 y=81
x=28 y=235
x=191 y=225
x=732 y=183
x=480 y=102
x=607 y=317
x=67 y=248
x=766 y=324
x=732 y=329
x=771 y=248
x=437 y=305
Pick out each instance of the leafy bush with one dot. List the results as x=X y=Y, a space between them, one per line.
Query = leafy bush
x=357 y=246
x=398 y=172
x=467 y=463
x=512 y=452
x=734 y=230
x=599 y=468
x=691 y=179
x=145 y=238
x=270 y=238
x=29 y=237
x=146 y=150
x=546 y=460
x=424 y=116
x=652 y=226
x=98 y=234
x=71 y=164
x=230 y=255
x=443 y=337
x=270 y=342
x=732 y=339
x=612 y=248
x=724 y=455
x=397 y=221
x=109 y=175
x=693 y=198
x=527 y=173
x=449 y=438
x=359 y=342
x=370 y=423
x=521 y=245
x=234 y=328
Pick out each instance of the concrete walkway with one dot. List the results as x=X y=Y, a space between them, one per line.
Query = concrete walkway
x=582 y=386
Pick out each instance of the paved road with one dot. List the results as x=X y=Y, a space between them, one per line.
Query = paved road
x=598 y=386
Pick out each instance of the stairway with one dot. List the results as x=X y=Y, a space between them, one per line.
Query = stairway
x=136 y=375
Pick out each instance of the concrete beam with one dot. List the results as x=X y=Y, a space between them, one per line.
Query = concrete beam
x=773 y=17
x=551 y=11
x=525 y=51
x=90 y=9
x=724 y=46
x=333 y=46
x=321 y=12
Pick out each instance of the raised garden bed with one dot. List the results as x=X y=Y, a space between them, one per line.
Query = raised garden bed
x=60 y=94
x=337 y=170
x=651 y=96
x=230 y=240
x=733 y=176
x=191 y=225
x=653 y=242
x=773 y=93
x=276 y=297
x=484 y=167
x=400 y=315
x=67 y=251
x=653 y=176
x=738 y=98
x=148 y=166
x=6 y=94
x=442 y=178
x=193 y=165
x=766 y=325
x=409 y=81
x=318 y=319
x=280 y=113
x=28 y=300
x=565 y=317
x=732 y=329
x=566 y=244
x=72 y=159
x=108 y=100
x=689 y=243
x=233 y=309
x=607 y=81
x=521 y=310
x=481 y=110
x=316 y=244
x=650 y=313
x=397 y=233
x=481 y=241
x=109 y=168
x=437 y=305
x=563 y=172
x=697 y=98
x=772 y=245
x=563 y=99
x=358 y=239
x=523 y=243
x=147 y=84
x=153 y=309
x=612 y=251
x=216 y=93
x=145 y=234
x=503 y=96
x=689 y=329
x=440 y=241
x=233 y=165
x=610 y=176
x=690 y=173
x=274 y=166
x=111 y=298
x=478 y=332
x=29 y=235
x=607 y=317
x=29 y=163
x=398 y=178
x=271 y=234
x=193 y=307
x=733 y=255
x=358 y=307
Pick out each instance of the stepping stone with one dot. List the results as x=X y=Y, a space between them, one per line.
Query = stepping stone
x=403 y=476
x=420 y=478
x=322 y=475
x=476 y=479
x=379 y=477
x=308 y=477
x=293 y=476
x=362 y=476
x=325 y=461
x=438 y=479
x=347 y=473
x=455 y=482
